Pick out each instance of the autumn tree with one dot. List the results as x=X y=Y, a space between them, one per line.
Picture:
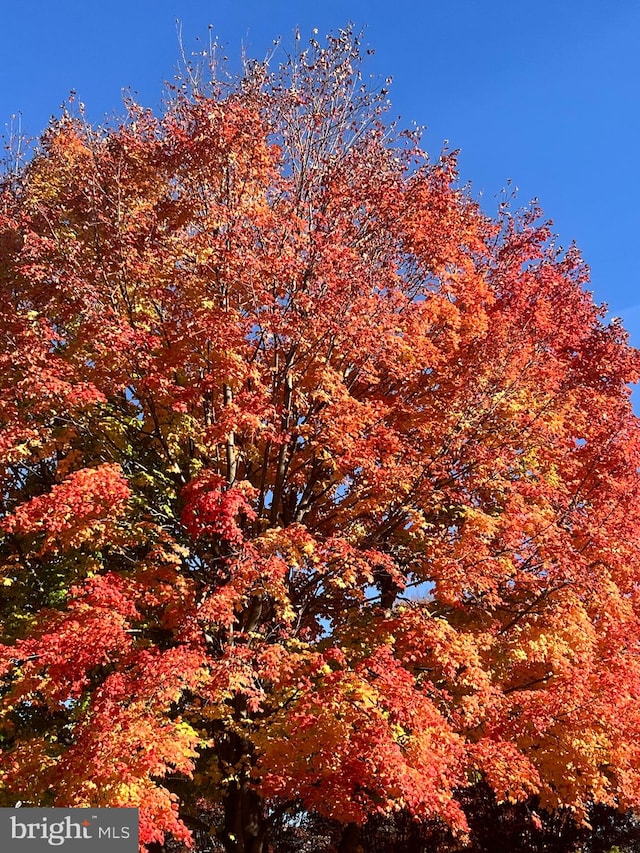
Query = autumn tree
x=319 y=485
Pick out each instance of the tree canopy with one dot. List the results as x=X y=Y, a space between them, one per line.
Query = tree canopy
x=319 y=484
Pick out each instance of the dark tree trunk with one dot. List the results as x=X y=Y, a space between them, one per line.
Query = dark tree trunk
x=244 y=827
x=350 y=840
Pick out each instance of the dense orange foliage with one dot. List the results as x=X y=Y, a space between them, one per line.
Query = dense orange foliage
x=319 y=486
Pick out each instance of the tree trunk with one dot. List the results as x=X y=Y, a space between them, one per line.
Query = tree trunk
x=350 y=840
x=244 y=828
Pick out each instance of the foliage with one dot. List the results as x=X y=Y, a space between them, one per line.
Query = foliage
x=320 y=486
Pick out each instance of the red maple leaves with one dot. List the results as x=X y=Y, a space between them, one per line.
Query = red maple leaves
x=83 y=507
x=320 y=487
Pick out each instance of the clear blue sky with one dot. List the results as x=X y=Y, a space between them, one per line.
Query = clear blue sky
x=546 y=94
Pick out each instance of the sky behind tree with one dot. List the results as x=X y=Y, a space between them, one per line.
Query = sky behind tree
x=544 y=95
